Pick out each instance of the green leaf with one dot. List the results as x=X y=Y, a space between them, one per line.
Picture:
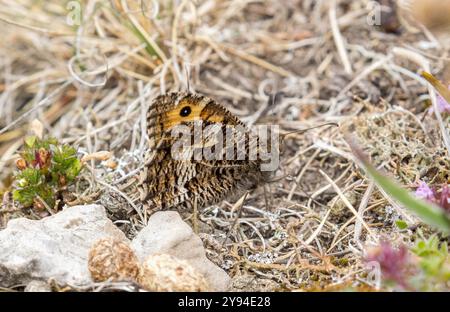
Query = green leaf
x=74 y=169
x=401 y=224
x=30 y=141
x=421 y=245
x=31 y=176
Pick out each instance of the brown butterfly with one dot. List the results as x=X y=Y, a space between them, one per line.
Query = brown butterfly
x=174 y=177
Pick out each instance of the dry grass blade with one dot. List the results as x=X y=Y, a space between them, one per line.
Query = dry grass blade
x=348 y=204
x=339 y=41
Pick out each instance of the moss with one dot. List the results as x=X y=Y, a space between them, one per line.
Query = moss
x=395 y=139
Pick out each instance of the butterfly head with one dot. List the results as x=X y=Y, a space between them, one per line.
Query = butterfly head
x=192 y=108
x=170 y=110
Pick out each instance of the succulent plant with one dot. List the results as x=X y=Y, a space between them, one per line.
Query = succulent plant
x=44 y=168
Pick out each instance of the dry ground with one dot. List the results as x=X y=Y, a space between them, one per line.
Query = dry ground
x=295 y=63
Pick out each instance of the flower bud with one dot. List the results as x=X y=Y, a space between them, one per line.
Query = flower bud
x=21 y=164
x=42 y=157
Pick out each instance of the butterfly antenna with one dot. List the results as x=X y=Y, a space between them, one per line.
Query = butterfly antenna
x=267 y=200
x=188 y=78
x=333 y=124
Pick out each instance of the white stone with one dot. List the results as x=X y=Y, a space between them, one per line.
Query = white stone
x=38 y=286
x=167 y=233
x=55 y=247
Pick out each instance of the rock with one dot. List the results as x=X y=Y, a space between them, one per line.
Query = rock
x=38 y=286
x=166 y=233
x=112 y=259
x=55 y=247
x=168 y=274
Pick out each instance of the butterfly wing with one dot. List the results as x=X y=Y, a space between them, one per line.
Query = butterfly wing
x=169 y=181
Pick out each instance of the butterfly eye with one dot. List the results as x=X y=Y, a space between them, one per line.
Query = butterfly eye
x=185 y=111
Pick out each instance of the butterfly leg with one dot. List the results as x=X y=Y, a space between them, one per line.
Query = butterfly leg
x=195 y=215
x=267 y=201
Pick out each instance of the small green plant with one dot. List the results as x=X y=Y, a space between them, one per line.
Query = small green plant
x=44 y=169
x=401 y=224
x=433 y=261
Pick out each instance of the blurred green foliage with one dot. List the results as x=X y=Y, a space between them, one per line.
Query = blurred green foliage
x=434 y=263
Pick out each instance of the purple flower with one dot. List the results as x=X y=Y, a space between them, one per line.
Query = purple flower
x=444 y=198
x=394 y=262
x=425 y=192
x=442 y=104
x=439 y=197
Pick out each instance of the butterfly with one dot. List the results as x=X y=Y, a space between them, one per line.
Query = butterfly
x=177 y=176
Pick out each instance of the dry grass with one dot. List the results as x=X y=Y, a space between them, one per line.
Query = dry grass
x=322 y=58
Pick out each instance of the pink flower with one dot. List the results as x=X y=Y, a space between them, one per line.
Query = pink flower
x=442 y=104
x=440 y=198
x=394 y=262
x=444 y=197
x=425 y=192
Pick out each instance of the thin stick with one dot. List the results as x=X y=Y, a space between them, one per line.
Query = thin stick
x=347 y=203
x=338 y=40
x=237 y=205
x=256 y=60
x=34 y=28
x=361 y=209
x=319 y=229
x=42 y=103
